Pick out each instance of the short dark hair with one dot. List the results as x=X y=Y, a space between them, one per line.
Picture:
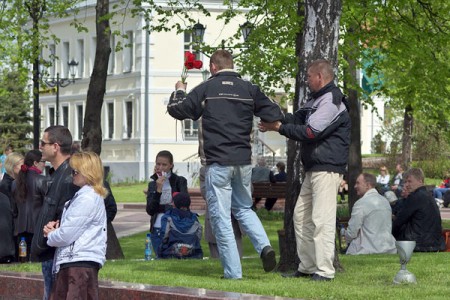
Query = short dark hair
x=370 y=179
x=60 y=135
x=222 y=59
x=323 y=66
x=281 y=165
x=166 y=154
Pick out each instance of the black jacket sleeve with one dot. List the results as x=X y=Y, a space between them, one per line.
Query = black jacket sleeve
x=110 y=203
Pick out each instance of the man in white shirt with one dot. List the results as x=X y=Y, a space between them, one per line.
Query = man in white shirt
x=370 y=227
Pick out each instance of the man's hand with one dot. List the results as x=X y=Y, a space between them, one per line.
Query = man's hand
x=266 y=126
x=180 y=86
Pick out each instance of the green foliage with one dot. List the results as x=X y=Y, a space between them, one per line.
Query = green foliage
x=436 y=168
x=14 y=111
x=378 y=145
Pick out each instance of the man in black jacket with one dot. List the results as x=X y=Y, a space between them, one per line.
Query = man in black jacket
x=56 y=146
x=323 y=127
x=419 y=218
x=227 y=104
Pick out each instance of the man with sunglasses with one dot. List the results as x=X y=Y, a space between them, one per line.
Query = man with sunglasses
x=56 y=146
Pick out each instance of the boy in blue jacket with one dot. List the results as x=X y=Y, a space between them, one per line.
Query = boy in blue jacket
x=181 y=230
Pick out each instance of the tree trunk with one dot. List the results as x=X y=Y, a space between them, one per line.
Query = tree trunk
x=408 y=123
x=92 y=131
x=288 y=247
x=350 y=83
x=319 y=39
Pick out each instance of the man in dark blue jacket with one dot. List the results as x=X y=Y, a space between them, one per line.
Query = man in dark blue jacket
x=226 y=104
x=323 y=127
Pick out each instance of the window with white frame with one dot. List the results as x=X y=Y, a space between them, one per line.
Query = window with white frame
x=128 y=51
x=79 y=133
x=65 y=116
x=128 y=119
x=65 y=59
x=187 y=45
x=109 y=120
x=92 y=49
x=190 y=129
x=51 y=58
x=112 y=56
x=51 y=116
x=81 y=57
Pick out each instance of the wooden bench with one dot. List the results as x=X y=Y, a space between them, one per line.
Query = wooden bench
x=269 y=190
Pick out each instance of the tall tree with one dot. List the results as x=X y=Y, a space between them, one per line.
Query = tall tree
x=92 y=129
x=319 y=40
x=14 y=111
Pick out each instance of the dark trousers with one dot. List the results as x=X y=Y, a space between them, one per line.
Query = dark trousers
x=76 y=283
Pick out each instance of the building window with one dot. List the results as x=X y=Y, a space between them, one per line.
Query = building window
x=128 y=51
x=51 y=58
x=65 y=115
x=188 y=46
x=65 y=60
x=80 y=53
x=190 y=129
x=110 y=120
x=112 y=56
x=92 y=49
x=128 y=119
x=51 y=116
x=80 y=122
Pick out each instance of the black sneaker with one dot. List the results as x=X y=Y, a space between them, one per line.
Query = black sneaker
x=296 y=274
x=268 y=259
x=317 y=277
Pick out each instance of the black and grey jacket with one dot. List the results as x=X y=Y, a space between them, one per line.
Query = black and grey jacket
x=323 y=126
x=226 y=104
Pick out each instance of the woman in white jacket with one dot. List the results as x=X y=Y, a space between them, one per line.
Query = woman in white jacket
x=81 y=234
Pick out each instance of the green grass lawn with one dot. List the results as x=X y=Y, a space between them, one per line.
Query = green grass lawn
x=365 y=276
x=126 y=193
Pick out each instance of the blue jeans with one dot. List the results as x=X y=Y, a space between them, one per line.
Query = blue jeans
x=438 y=192
x=156 y=239
x=228 y=190
x=49 y=277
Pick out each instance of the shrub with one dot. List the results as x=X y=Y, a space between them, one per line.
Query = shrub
x=433 y=168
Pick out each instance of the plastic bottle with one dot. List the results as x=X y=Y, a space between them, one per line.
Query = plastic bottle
x=342 y=235
x=148 y=248
x=22 y=250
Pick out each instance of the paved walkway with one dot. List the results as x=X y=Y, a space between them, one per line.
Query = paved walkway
x=132 y=218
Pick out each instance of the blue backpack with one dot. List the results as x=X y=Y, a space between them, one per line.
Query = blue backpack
x=179 y=244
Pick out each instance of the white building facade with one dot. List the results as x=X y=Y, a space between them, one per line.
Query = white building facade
x=141 y=78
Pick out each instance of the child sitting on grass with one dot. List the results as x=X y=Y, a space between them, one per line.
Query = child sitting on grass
x=180 y=230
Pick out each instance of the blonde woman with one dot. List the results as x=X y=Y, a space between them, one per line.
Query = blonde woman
x=383 y=180
x=13 y=163
x=81 y=234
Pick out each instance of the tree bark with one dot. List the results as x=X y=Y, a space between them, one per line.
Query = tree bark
x=92 y=131
x=288 y=247
x=319 y=39
x=350 y=82
x=408 y=124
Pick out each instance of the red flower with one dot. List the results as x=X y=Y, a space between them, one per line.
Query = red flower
x=189 y=63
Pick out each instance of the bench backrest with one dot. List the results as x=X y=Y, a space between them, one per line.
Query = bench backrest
x=269 y=190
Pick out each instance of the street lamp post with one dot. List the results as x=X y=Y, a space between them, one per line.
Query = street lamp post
x=198 y=32
x=62 y=82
